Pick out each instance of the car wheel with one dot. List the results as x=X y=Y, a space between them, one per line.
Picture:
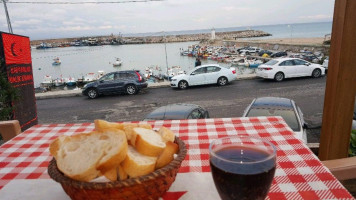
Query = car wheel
x=131 y=89
x=92 y=93
x=182 y=85
x=279 y=77
x=316 y=73
x=222 y=81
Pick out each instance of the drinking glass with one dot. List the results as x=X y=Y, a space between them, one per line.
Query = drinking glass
x=242 y=166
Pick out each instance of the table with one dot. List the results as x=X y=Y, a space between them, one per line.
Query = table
x=299 y=173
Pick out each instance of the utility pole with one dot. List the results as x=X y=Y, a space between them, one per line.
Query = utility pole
x=165 y=49
x=7 y=17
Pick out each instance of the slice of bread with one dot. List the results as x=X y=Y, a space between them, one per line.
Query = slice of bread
x=136 y=164
x=167 y=155
x=114 y=144
x=148 y=142
x=166 y=134
x=121 y=174
x=101 y=125
x=111 y=174
x=85 y=156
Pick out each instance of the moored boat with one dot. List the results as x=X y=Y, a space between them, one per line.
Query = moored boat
x=117 y=62
x=56 y=61
x=47 y=82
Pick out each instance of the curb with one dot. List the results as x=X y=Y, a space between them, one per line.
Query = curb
x=78 y=93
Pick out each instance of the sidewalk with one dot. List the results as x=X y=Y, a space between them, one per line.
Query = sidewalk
x=74 y=93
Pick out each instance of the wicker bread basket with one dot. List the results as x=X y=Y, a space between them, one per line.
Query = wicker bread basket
x=150 y=186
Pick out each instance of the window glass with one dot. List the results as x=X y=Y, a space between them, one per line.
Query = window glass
x=196 y=114
x=108 y=77
x=288 y=116
x=200 y=70
x=299 y=62
x=125 y=75
x=212 y=69
x=287 y=63
x=271 y=62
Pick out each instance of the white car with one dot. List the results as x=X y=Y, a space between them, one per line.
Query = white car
x=279 y=69
x=326 y=63
x=275 y=106
x=205 y=74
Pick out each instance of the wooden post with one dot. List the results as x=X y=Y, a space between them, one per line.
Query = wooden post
x=341 y=83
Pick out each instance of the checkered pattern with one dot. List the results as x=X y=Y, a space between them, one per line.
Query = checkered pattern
x=299 y=173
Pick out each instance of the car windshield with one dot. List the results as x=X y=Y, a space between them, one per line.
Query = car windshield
x=271 y=62
x=288 y=116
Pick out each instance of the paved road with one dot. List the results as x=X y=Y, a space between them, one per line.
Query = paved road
x=228 y=101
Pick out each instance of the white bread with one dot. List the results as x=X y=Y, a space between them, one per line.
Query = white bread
x=85 y=156
x=148 y=142
x=136 y=164
x=111 y=174
x=101 y=125
x=167 y=155
x=167 y=134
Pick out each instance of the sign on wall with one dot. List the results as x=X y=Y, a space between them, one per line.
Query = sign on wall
x=16 y=51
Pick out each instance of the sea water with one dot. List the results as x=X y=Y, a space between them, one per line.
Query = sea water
x=78 y=61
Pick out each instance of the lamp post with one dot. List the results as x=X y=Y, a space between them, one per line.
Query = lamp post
x=7 y=17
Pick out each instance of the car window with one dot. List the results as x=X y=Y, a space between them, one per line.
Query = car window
x=300 y=62
x=287 y=63
x=108 y=77
x=125 y=75
x=212 y=69
x=200 y=70
x=195 y=114
x=271 y=62
x=288 y=116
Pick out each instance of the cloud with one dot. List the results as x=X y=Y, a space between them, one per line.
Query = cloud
x=317 y=17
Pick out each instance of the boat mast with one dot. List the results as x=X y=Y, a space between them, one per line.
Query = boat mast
x=165 y=49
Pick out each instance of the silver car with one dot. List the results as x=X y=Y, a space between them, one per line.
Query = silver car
x=275 y=106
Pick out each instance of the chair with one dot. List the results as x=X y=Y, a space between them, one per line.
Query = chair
x=342 y=169
x=9 y=129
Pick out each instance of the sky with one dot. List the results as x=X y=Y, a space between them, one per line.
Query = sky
x=43 y=21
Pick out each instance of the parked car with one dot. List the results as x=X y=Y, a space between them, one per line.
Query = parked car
x=354 y=119
x=178 y=111
x=326 y=63
x=130 y=82
x=275 y=106
x=310 y=58
x=279 y=54
x=249 y=51
x=260 y=53
x=281 y=68
x=205 y=74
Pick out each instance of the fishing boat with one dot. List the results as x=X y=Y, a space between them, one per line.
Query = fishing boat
x=70 y=81
x=56 y=61
x=59 y=82
x=117 y=63
x=47 y=82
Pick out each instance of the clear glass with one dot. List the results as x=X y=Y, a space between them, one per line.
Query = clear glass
x=242 y=166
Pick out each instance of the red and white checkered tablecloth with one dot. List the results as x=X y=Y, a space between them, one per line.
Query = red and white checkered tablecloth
x=299 y=173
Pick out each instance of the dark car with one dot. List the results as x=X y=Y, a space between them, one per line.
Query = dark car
x=311 y=58
x=279 y=54
x=178 y=111
x=275 y=106
x=130 y=82
x=265 y=52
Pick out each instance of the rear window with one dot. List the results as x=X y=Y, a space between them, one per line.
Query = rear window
x=271 y=62
x=288 y=116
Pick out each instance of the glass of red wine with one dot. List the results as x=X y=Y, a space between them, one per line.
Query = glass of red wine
x=242 y=166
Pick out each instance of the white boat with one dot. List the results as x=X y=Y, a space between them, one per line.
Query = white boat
x=56 y=61
x=47 y=82
x=59 y=82
x=89 y=77
x=117 y=63
x=70 y=81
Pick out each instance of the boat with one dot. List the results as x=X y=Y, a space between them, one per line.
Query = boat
x=58 y=82
x=89 y=77
x=70 y=81
x=56 y=61
x=47 y=82
x=117 y=63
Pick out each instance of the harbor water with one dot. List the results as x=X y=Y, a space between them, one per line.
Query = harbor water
x=76 y=62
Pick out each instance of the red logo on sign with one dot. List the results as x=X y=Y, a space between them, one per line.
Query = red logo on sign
x=17 y=49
